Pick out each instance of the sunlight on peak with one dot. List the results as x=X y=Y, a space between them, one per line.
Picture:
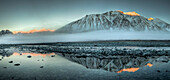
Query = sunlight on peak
x=133 y=14
x=150 y=19
x=129 y=13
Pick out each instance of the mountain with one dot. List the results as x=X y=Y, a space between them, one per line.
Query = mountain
x=115 y=20
x=3 y=32
x=112 y=25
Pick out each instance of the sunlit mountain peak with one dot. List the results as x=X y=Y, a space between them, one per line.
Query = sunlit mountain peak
x=129 y=13
x=150 y=19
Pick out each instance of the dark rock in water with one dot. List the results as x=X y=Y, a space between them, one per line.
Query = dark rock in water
x=95 y=45
x=4 y=67
x=16 y=64
x=52 y=55
x=29 y=56
x=42 y=59
x=165 y=61
x=158 y=71
x=12 y=78
x=10 y=61
x=0 y=59
x=42 y=67
x=166 y=71
x=38 y=60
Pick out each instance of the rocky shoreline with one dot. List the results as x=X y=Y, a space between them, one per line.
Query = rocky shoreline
x=87 y=51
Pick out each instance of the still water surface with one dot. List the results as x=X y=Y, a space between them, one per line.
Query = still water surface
x=55 y=66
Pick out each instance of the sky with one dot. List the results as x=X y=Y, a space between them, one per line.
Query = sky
x=24 y=15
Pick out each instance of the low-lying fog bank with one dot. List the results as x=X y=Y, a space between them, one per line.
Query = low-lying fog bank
x=44 y=37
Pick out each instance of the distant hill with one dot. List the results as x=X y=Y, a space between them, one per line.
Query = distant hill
x=4 y=32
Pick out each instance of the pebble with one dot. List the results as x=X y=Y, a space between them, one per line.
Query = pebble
x=16 y=64
x=158 y=71
x=12 y=78
x=42 y=67
x=4 y=67
x=10 y=61
x=29 y=56
x=52 y=55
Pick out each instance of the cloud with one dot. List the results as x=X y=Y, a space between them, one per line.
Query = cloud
x=33 y=31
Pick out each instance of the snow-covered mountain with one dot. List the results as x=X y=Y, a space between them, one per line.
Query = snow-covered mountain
x=112 y=25
x=115 y=20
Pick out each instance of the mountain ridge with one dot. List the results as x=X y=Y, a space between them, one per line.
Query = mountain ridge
x=115 y=20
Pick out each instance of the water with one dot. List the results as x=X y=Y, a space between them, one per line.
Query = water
x=57 y=66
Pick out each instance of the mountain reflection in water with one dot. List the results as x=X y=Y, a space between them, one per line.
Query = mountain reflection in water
x=133 y=69
x=43 y=66
x=117 y=64
x=128 y=70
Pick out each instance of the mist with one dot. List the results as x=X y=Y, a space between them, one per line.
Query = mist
x=46 y=37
